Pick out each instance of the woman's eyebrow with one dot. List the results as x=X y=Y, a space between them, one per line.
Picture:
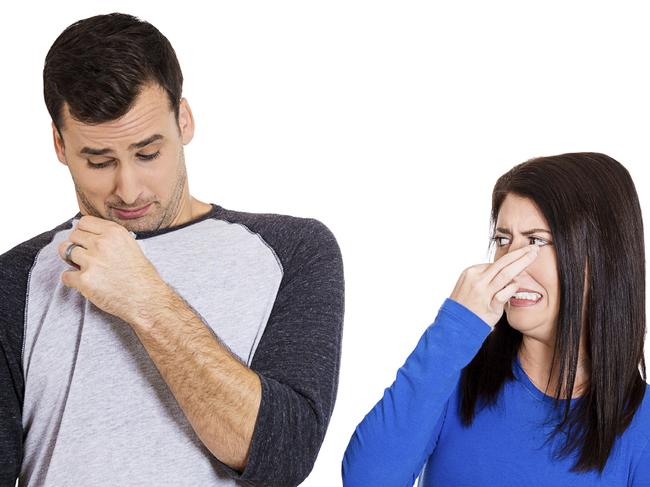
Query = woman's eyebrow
x=527 y=232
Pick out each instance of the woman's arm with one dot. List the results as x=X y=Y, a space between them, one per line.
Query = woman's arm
x=391 y=444
x=389 y=447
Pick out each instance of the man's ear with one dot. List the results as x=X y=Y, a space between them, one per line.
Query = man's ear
x=185 y=121
x=58 y=145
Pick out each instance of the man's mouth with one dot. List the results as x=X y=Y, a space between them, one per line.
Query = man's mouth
x=130 y=214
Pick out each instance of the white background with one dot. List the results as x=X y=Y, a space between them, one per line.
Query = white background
x=388 y=121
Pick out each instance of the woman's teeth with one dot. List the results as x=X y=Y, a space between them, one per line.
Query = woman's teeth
x=528 y=296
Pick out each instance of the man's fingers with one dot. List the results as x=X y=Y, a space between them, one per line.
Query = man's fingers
x=77 y=255
x=70 y=279
x=82 y=237
x=93 y=224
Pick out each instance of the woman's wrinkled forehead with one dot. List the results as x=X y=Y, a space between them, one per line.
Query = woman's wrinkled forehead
x=520 y=214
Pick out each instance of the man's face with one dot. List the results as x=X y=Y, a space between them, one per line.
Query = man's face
x=133 y=162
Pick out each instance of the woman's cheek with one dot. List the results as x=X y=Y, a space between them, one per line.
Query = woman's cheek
x=544 y=270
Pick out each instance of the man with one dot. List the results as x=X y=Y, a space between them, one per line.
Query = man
x=154 y=339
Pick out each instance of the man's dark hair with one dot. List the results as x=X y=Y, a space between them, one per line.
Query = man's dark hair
x=591 y=206
x=99 y=65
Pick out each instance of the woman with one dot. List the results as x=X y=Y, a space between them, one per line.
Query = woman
x=530 y=373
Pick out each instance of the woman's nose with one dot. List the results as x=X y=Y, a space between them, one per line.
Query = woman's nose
x=518 y=243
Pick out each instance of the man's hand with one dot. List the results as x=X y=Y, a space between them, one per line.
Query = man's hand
x=113 y=272
x=219 y=395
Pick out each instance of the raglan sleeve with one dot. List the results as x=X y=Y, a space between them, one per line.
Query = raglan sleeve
x=391 y=444
x=11 y=377
x=298 y=361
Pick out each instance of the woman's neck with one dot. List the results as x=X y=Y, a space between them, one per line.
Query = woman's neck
x=535 y=357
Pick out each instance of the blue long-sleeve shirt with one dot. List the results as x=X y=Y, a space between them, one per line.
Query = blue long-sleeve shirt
x=416 y=424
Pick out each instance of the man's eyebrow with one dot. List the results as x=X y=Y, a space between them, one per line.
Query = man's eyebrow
x=527 y=232
x=136 y=145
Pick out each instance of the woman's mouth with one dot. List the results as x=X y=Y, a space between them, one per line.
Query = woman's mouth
x=524 y=298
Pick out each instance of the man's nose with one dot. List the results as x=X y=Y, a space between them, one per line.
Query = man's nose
x=127 y=184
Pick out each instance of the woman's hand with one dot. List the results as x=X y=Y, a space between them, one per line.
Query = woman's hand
x=485 y=288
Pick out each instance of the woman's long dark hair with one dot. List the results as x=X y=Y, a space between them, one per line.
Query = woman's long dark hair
x=591 y=206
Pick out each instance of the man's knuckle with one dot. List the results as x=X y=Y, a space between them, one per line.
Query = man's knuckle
x=85 y=278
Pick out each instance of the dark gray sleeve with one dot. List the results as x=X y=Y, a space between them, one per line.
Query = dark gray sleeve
x=11 y=388
x=298 y=356
x=15 y=266
x=12 y=303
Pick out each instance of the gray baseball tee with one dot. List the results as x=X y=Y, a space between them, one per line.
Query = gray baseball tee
x=81 y=402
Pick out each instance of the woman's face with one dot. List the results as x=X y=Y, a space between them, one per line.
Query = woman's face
x=520 y=223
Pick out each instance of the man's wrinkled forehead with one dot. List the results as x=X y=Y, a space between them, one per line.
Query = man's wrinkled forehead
x=150 y=113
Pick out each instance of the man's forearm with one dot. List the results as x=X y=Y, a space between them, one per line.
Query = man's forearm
x=219 y=395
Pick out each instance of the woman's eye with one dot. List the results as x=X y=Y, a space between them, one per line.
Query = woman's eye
x=504 y=241
x=540 y=242
x=499 y=241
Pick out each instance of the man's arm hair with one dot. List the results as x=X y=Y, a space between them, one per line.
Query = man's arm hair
x=298 y=356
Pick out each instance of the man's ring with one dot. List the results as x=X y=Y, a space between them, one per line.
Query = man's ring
x=68 y=251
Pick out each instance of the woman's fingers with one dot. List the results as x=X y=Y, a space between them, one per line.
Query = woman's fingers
x=505 y=261
x=502 y=297
x=508 y=272
x=485 y=288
